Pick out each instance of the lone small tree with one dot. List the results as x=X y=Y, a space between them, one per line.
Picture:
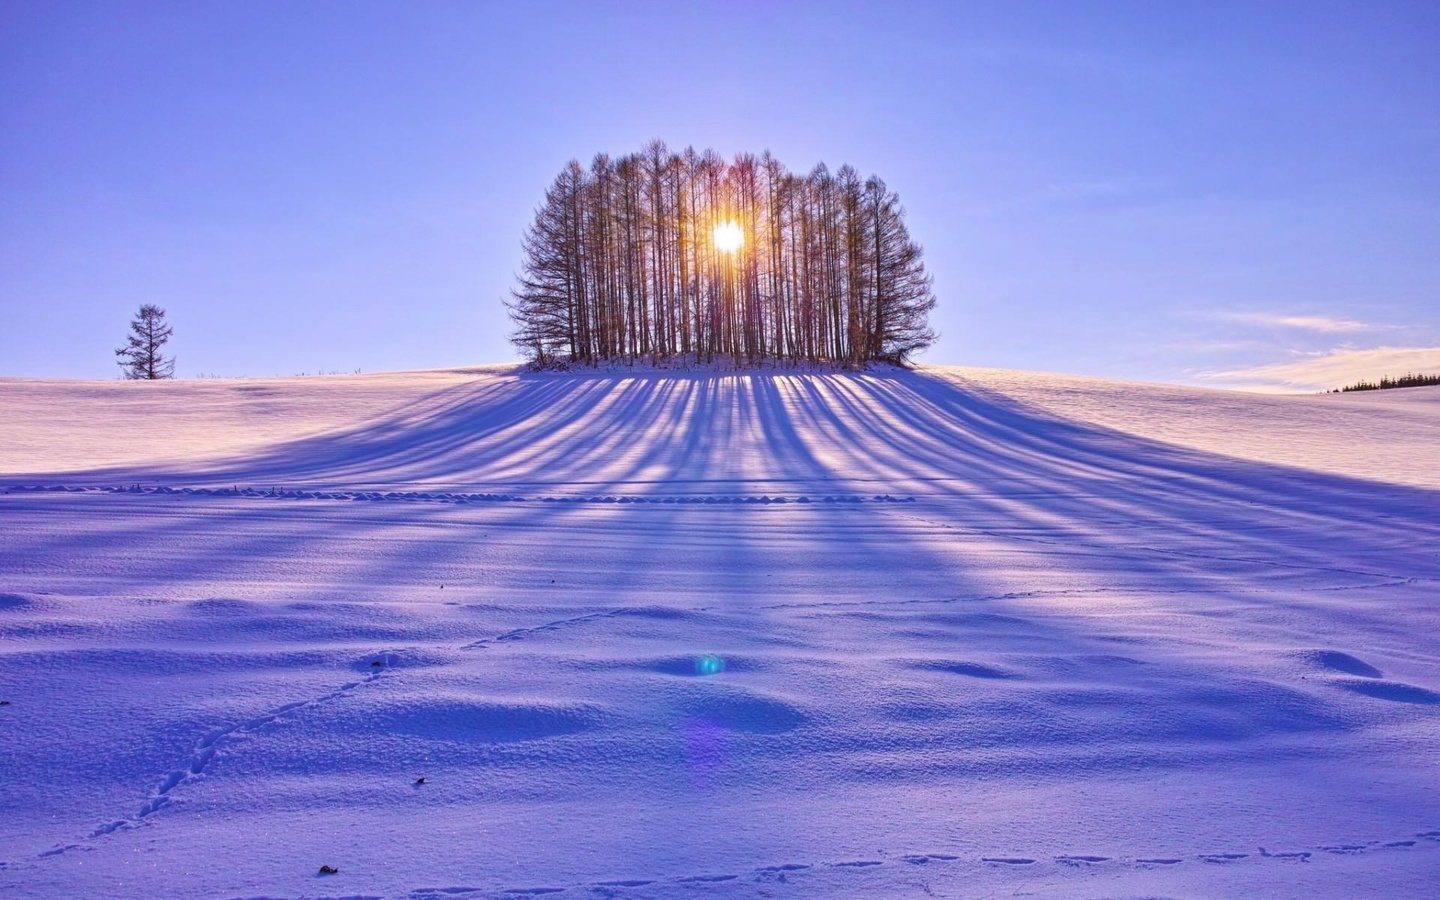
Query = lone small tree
x=140 y=357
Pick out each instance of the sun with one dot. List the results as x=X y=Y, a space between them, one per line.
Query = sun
x=729 y=237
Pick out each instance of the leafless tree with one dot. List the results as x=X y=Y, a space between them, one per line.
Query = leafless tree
x=622 y=263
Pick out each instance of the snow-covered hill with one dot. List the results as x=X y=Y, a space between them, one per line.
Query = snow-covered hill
x=953 y=632
x=481 y=426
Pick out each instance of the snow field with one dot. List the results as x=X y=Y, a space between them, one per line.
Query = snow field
x=998 y=650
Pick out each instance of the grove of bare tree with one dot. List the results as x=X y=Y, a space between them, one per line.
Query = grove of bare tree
x=662 y=255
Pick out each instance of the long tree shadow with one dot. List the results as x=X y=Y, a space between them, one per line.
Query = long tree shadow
x=972 y=454
x=891 y=426
x=671 y=433
x=890 y=585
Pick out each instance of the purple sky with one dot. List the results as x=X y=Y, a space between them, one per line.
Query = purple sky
x=1212 y=193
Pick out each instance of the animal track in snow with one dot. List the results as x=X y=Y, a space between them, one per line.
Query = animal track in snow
x=777 y=873
x=1298 y=854
x=920 y=859
x=204 y=750
x=276 y=493
x=516 y=634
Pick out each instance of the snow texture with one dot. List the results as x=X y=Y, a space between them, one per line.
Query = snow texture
x=951 y=632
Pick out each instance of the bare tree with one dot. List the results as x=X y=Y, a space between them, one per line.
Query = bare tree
x=622 y=262
x=901 y=290
x=140 y=358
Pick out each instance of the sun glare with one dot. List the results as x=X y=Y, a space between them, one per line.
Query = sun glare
x=728 y=237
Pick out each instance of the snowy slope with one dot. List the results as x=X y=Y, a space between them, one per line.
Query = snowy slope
x=1369 y=434
x=953 y=632
x=428 y=426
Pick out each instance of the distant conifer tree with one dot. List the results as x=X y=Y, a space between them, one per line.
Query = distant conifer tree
x=140 y=358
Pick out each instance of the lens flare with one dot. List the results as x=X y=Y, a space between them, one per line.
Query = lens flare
x=705 y=747
x=729 y=237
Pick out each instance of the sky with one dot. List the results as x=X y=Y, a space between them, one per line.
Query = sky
x=1218 y=193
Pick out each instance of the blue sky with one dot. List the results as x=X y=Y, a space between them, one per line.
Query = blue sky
x=1231 y=194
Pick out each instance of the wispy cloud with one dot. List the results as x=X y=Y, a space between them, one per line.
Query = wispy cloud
x=1332 y=369
x=1064 y=195
x=1326 y=324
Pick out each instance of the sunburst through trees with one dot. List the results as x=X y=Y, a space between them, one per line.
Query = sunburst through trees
x=659 y=255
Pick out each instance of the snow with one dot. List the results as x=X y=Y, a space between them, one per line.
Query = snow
x=953 y=632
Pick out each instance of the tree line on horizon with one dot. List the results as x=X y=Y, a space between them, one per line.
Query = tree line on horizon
x=1386 y=383
x=661 y=255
